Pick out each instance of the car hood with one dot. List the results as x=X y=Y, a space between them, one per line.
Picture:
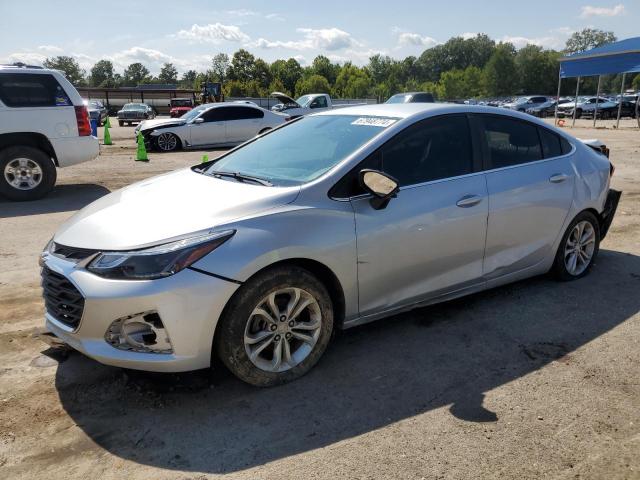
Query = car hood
x=167 y=207
x=163 y=122
x=284 y=98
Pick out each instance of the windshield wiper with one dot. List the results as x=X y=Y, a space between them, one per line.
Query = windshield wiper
x=242 y=177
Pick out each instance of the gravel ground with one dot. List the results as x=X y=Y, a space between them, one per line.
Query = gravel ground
x=533 y=380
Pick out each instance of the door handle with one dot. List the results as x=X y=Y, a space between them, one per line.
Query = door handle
x=469 y=201
x=558 y=178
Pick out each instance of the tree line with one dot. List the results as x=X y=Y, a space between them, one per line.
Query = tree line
x=459 y=68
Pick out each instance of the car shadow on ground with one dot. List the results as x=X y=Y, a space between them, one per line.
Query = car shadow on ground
x=63 y=198
x=447 y=355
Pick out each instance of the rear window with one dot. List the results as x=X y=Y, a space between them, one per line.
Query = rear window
x=550 y=143
x=510 y=141
x=32 y=90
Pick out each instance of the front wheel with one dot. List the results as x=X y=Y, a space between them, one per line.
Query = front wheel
x=27 y=173
x=276 y=327
x=167 y=142
x=578 y=249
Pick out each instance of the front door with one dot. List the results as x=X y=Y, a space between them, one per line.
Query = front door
x=430 y=239
x=212 y=131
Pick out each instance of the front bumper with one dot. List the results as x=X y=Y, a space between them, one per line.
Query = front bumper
x=188 y=303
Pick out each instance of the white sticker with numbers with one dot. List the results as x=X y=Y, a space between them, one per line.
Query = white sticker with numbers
x=374 y=121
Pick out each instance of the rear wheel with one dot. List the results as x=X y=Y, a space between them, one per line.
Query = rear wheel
x=578 y=113
x=121 y=123
x=578 y=249
x=276 y=327
x=27 y=173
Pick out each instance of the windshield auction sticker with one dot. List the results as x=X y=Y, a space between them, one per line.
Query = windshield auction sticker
x=374 y=121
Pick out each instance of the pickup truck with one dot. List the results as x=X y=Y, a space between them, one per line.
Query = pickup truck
x=310 y=103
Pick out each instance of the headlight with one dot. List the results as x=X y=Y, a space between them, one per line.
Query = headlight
x=159 y=261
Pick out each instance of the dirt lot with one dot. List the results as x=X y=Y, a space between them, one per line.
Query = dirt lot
x=533 y=380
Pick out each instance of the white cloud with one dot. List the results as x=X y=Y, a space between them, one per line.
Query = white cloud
x=274 y=16
x=330 y=39
x=50 y=49
x=242 y=12
x=415 y=39
x=519 y=42
x=468 y=35
x=589 y=11
x=213 y=33
x=30 y=58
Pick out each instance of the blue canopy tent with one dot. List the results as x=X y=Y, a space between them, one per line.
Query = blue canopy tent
x=618 y=57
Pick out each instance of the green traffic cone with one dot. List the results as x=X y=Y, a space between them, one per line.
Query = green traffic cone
x=107 y=136
x=141 y=155
x=107 y=122
x=205 y=158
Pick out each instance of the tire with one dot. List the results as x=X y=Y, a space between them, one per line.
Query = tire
x=31 y=169
x=240 y=327
x=121 y=123
x=167 y=142
x=560 y=268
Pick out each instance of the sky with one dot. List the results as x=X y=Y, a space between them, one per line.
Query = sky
x=189 y=33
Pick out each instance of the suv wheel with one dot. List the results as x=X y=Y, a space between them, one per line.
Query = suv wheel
x=276 y=327
x=26 y=173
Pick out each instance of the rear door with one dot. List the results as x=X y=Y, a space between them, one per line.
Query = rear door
x=243 y=123
x=212 y=131
x=530 y=183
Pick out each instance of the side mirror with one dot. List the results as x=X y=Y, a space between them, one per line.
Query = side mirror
x=198 y=121
x=380 y=185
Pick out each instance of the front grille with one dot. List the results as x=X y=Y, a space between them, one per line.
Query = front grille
x=71 y=253
x=62 y=300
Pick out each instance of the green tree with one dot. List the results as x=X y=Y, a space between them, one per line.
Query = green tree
x=312 y=84
x=499 y=75
x=352 y=82
x=538 y=69
x=168 y=74
x=288 y=72
x=588 y=38
x=102 y=74
x=135 y=74
x=321 y=65
x=67 y=65
x=219 y=67
x=262 y=73
x=242 y=66
x=458 y=84
x=188 y=79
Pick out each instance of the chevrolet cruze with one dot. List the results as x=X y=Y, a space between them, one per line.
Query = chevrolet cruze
x=333 y=220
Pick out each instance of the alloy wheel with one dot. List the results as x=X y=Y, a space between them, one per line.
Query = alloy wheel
x=23 y=174
x=579 y=248
x=167 y=142
x=282 y=329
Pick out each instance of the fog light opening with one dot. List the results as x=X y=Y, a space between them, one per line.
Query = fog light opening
x=140 y=332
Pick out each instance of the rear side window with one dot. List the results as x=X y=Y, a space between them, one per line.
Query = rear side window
x=242 y=113
x=510 y=141
x=565 y=146
x=32 y=90
x=550 y=143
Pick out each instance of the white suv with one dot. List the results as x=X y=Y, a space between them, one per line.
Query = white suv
x=43 y=125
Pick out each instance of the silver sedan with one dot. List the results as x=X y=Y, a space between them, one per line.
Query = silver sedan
x=334 y=220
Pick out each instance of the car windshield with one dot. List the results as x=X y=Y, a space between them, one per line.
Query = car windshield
x=194 y=112
x=303 y=150
x=399 y=98
x=134 y=106
x=303 y=100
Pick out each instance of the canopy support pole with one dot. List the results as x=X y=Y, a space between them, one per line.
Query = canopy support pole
x=620 y=102
x=575 y=103
x=595 y=113
x=555 y=115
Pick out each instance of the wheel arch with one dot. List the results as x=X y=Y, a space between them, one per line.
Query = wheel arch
x=29 y=139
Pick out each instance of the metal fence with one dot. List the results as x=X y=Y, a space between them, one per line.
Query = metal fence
x=268 y=102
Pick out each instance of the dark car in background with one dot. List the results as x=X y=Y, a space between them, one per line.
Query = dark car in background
x=135 y=113
x=545 y=109
x=97 y=111
x=180 y=106
x=411 y=97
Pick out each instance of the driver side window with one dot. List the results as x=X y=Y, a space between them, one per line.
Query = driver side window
x=320 y=102
x=213 y=115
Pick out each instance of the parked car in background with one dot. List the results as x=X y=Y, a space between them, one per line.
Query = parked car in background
x=338 y=219
x=211 y=124
x=545 y=109
x=97 y=111
x=411 y=97
x=586 y=105
x=310 y=103
x=44 y=124
x=521 y=104
x=180 y=106
x=135 y=113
